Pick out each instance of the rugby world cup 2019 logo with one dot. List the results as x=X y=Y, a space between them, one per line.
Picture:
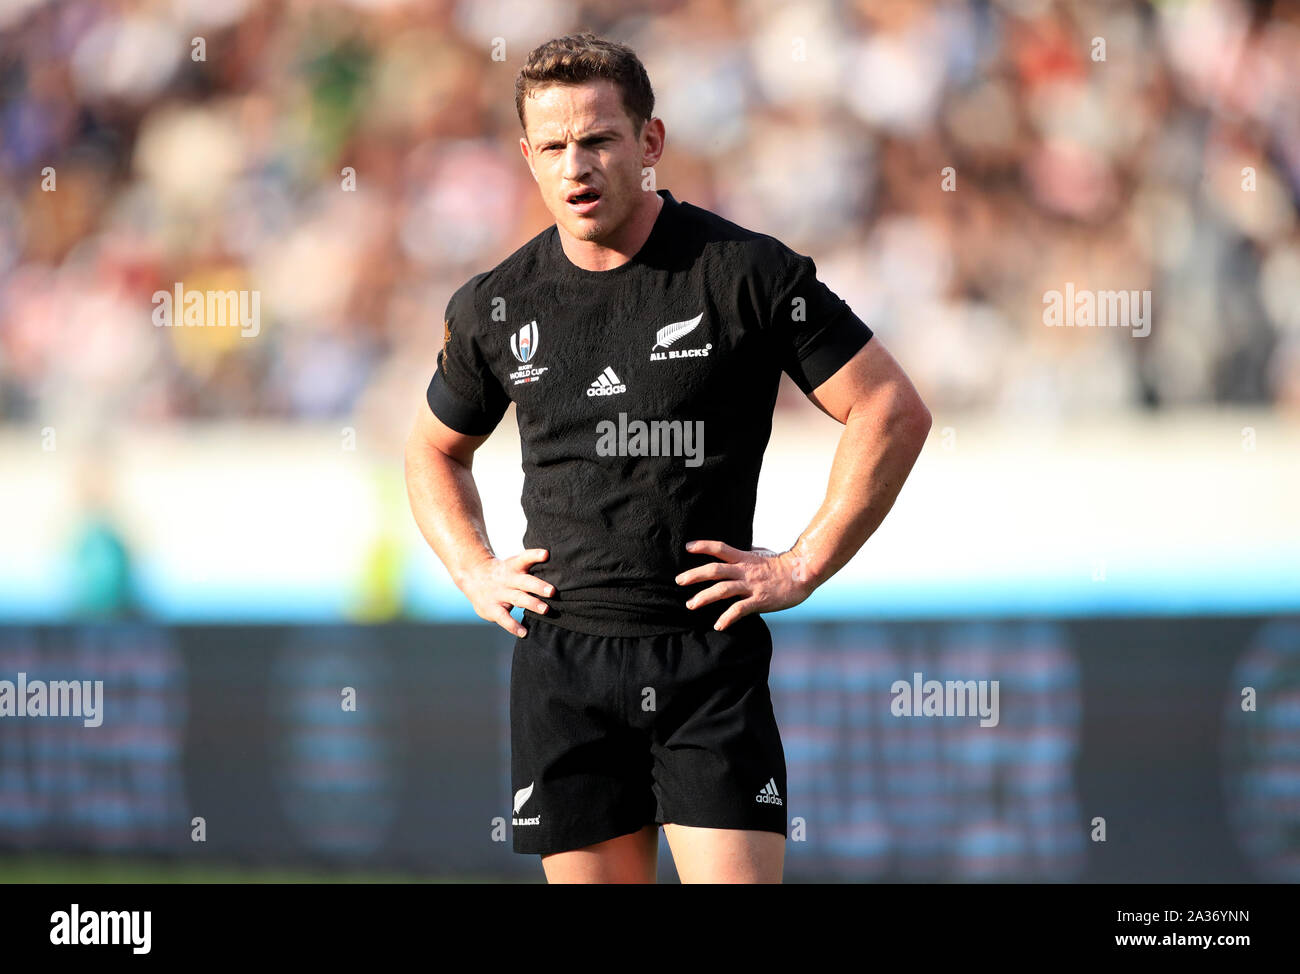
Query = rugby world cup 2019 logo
x=524 y=344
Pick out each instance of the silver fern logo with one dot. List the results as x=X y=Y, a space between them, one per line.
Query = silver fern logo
x=521 y=799
x=669 y=335
x=522 y=796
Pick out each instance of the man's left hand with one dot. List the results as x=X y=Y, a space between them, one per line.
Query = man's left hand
x=763 y=580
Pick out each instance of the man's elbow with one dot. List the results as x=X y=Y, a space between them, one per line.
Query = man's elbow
x=912 y=420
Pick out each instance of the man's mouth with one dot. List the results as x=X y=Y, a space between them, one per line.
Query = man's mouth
x=583 y=200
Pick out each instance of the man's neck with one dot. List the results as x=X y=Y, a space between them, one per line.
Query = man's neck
x=593 y=256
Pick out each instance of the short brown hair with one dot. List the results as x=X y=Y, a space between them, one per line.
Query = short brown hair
x=578 y=58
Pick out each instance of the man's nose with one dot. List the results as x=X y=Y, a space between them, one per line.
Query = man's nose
x=576 y=161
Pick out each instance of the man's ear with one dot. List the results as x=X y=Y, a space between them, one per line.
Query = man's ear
x=653 y=131
x=528 y=155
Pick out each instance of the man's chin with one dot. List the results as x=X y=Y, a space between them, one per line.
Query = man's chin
x=591 y=231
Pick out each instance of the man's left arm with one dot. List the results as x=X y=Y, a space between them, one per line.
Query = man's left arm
x=885 y=426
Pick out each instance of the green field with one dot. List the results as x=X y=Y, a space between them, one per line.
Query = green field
x=50 y=869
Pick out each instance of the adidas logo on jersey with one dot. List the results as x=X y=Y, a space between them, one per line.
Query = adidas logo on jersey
x=608 y=384
x=769 y=795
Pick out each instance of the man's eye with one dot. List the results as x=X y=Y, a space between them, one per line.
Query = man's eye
x=585 y=142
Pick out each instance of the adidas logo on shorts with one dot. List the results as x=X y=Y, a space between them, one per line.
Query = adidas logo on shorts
x=769 y=794
x=606 y=384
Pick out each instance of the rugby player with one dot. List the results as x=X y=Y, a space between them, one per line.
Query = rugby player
x=642 y=339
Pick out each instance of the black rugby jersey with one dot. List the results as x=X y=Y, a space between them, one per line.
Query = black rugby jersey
x=644 y=397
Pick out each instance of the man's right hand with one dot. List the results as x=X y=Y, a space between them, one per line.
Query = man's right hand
x=495 y=585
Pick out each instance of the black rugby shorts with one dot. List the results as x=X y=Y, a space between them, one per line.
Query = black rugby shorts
x=610 y=734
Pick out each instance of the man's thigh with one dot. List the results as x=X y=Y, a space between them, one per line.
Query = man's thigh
x=726 y=855
x=631 y=858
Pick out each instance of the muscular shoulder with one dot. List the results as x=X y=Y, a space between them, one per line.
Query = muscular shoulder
x=740 y=249
x=473 y=299
x=746 y=261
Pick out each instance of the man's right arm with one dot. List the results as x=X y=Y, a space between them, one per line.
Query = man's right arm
x=449 y=513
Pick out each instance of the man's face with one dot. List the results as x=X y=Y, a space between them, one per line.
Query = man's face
x=580 y=140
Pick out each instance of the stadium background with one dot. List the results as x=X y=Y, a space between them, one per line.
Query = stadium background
x=215 y=525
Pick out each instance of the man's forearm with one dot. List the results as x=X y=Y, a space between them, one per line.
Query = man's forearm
x=447 y=508
x=881 y=441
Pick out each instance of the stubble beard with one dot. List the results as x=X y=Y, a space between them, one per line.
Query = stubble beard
x=588 y=231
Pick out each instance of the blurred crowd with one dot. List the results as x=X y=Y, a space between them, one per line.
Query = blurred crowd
x=945 y=163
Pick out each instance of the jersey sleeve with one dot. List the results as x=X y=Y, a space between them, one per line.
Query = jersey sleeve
x=464 y=393
x=815 y=331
